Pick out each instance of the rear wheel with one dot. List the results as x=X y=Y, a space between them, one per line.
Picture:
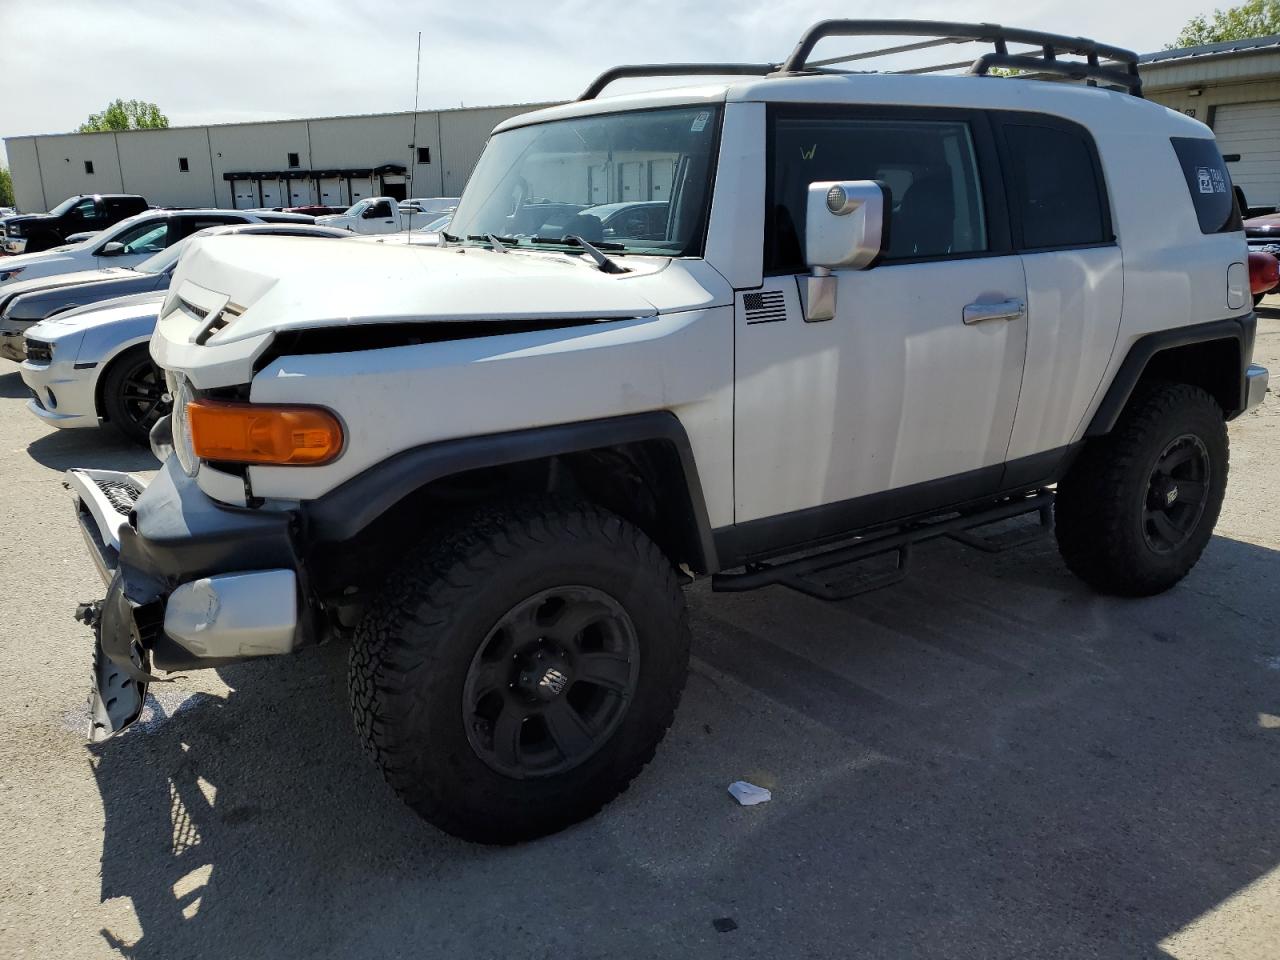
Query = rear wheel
x=515 y=676
x=133 y=394
x=1137 y=509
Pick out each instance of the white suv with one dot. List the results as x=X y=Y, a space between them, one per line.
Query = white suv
x=880 y=308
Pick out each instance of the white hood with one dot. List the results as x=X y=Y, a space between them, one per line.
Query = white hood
x=282 y=283
x=107 y=312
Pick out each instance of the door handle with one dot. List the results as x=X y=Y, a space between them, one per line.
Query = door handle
x=1004 y=310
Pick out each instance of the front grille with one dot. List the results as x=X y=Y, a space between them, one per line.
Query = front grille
x=39 y=352
x=122 y=494
x=200 y=313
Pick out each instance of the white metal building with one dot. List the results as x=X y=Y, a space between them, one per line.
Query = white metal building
x=332 y=160
x=1234 y=87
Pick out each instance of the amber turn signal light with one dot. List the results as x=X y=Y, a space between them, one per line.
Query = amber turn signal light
x=258 y=433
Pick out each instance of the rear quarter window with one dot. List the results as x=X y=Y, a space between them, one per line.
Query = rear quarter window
x=1209 y=184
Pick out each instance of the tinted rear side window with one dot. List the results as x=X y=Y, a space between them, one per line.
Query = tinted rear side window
x=1057 y=191
x=1209 y=183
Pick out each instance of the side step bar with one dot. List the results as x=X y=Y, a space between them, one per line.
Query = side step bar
x=801 y=574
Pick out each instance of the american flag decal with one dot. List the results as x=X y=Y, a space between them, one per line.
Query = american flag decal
x=765 y=306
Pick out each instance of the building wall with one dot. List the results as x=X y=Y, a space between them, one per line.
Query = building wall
x=62 y=165
x=1213 y=95
x=150 y=161
x=28 y=189
x=48 y=169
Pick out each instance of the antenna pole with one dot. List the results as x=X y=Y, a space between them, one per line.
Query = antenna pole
x=413 y=150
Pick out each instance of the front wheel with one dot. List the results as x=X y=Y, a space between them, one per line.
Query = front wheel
x=1138 y=507
x=133 y=394
x=513 y=678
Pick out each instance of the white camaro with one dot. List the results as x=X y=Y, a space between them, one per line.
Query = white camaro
x=92 y=363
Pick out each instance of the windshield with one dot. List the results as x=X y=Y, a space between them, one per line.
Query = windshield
x=165 y=259
x=637 y=182
x=357 y=208
x=438 y=224
x=64 y=206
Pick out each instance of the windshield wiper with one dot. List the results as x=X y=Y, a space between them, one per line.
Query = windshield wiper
x=590 y=249
x=498 y=243
x=573 y=240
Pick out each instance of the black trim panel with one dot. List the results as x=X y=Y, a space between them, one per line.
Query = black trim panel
x=341 y=514
x=814 y=526
x=1241 y=329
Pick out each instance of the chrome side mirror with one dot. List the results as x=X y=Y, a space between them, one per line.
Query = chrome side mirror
x=846 y=228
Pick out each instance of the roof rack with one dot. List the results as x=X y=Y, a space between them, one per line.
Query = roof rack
x=1121 y=68
x=676 y=70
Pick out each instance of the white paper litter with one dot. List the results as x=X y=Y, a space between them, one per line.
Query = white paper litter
x=748 y=794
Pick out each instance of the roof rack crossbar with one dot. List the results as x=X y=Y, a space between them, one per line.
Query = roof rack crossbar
x=1051 y=46
x=676 y=70
x=884 y=51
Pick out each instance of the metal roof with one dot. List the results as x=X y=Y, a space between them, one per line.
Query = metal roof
x=1212 y=49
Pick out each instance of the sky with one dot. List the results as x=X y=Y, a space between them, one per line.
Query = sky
x=220 y=61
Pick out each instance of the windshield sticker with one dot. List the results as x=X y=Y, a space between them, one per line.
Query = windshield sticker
x=1206 y=182
x=700 y=122
x=1219 y=180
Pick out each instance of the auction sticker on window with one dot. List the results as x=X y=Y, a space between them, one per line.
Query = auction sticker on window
x=700 y=122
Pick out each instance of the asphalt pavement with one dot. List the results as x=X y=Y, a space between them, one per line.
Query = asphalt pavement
x=986 y=761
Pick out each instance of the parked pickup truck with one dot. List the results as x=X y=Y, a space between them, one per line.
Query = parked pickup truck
x=387 y=215
x=78 y=214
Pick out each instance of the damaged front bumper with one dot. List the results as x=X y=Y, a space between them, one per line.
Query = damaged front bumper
x=190 y=584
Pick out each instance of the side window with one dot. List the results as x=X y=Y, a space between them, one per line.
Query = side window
x=192 y=224
x=149 y=237
x=1057 y=192
x=1209 y=183
x=84 y=210
x=930 y=166
x=380 y=209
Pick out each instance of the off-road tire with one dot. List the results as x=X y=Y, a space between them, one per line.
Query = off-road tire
x=1100 y=502
x=114 y=405
x=413 y=649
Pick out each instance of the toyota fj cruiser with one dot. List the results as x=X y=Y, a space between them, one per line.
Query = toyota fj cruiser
x=878 y=309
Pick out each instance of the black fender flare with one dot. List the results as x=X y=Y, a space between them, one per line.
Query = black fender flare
x=345 y=511
x=1239 y=329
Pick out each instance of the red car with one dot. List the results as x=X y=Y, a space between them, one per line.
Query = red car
x=1264 y=274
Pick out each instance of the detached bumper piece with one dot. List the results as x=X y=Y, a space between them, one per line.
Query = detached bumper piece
x=190 y=584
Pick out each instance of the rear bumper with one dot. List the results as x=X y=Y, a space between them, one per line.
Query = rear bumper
x=1255 y=385
x=190 y=583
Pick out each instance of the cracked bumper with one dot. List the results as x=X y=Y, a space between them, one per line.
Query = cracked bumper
x=190 y=584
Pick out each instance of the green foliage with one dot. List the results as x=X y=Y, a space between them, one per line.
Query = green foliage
x=6 y=188
x=1257 y=18
x=125 y=115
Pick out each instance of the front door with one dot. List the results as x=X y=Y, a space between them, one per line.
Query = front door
x=905 y=400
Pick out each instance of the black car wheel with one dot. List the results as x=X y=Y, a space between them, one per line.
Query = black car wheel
x=133 y=394
x=516 y=674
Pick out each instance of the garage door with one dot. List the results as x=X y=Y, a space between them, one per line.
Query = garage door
x=1253 y=131
x=333 y=192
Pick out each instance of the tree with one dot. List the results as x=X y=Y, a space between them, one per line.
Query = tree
x=1257 y=18
x=6 y=188
x=125 y=115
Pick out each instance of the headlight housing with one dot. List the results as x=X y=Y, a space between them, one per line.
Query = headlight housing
x=180 y=423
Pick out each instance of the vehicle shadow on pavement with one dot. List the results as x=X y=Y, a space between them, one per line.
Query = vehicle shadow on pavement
x=986 y=761
x=11 y=385
x=100 y=449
